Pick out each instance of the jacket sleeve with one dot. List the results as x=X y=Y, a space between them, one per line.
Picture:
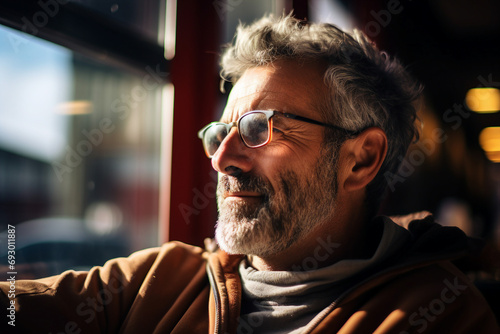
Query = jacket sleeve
x=75 y=302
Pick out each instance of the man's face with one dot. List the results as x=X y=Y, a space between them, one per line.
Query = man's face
x=272 y=196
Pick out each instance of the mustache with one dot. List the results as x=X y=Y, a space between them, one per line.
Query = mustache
x=244 y=182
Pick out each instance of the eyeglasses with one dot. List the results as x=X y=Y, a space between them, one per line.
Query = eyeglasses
x=254 y=128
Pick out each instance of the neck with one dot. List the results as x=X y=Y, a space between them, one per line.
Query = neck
x=328 y=244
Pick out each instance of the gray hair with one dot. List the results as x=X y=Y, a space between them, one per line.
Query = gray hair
x=368 y=88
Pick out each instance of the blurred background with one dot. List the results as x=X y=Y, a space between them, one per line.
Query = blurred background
x=100 y=103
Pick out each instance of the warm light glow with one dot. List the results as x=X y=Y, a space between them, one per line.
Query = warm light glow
x=493 y=156
x=167 y=130
x=75 y=107
x=483 y=100
x=489 y=139
x=170 y=29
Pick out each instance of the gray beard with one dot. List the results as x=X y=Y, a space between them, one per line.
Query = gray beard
x=282 y=217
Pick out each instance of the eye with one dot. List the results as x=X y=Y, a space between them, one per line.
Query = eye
x=279 y=127
x=277 y=131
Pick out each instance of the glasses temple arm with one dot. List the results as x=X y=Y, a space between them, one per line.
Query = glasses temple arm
x=312 y=121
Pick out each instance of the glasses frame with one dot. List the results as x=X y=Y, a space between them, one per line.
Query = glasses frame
x=269 y=114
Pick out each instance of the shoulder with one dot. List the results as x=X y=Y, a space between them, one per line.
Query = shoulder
x=444 y=297
x=169 y=250
x=170 y=255
x=128 y=270
x=440 y=283
x=425 y=299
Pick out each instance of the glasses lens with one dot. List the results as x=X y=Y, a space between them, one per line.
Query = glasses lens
x=213 y=136
x=254 y=129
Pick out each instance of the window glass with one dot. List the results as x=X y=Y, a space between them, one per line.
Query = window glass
x=145 y=17
x=79 y=156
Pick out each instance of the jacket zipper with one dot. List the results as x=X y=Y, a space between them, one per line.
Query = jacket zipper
x=215 y=291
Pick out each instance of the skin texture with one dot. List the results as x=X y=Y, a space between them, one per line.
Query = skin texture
x=277 y=202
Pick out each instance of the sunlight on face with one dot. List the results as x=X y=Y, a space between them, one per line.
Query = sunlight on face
x=270 y=197
x=282 y=216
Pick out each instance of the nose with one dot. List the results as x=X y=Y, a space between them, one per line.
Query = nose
x=232 y=157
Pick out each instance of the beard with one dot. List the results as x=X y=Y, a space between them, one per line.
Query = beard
x=283 y=215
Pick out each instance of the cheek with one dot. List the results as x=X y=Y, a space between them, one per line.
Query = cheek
x=272 y=162
x=287 y=176
x=275 y=159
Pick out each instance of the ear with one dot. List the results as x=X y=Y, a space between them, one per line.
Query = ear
x=365 y=155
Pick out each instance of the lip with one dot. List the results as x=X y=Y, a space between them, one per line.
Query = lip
x=242 y=195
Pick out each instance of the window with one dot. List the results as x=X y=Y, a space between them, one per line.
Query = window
x=81 y=151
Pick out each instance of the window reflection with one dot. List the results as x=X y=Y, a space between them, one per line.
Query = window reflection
x=79 y=156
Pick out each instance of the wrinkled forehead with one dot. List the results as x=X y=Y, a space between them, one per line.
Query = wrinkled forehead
x=282 y=86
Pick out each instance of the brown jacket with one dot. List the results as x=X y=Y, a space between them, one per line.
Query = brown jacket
x=167 y=290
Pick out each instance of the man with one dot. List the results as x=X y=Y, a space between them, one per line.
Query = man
x=315 y=120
